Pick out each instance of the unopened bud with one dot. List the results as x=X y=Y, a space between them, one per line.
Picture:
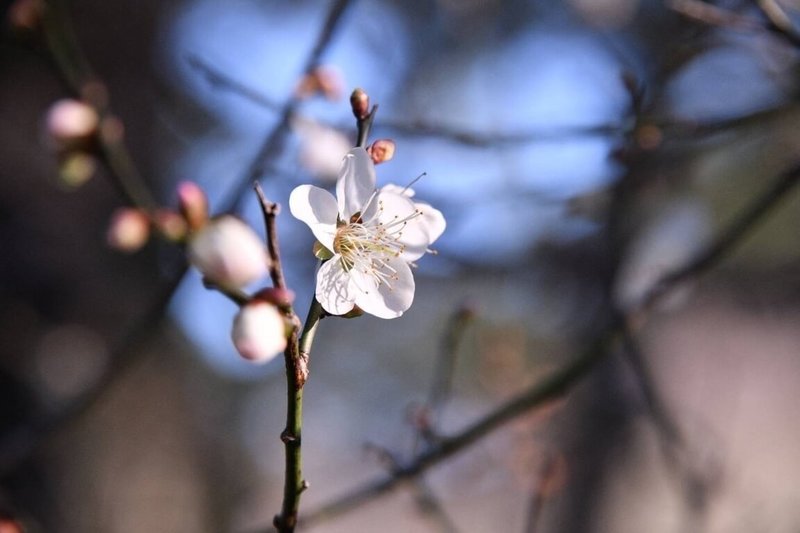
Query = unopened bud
x=9 y=525
x=359 y=101
x=259 y=332
x=76 y=169
x=171 y=225
x=129 y=229
x=275 y=296
x=228 y=252
x=26 y=15
x=381 y=151
x=71 y=123
x=193 y=204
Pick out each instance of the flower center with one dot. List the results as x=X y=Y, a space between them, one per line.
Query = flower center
x=367 y=247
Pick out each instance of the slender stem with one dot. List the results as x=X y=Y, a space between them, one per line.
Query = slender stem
x=297 y=355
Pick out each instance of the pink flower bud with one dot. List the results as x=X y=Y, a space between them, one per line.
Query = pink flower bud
x=359 y=101
x=259 y=332
x=193 y=204
x=228 y=252
x=275 y=296
x=171 y=225
x=71 y=121
x=26 y=14
x=129 y=229
x=381 y=151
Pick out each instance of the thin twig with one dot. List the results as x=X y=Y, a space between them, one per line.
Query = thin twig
x=562 y=380
x=541 y=490
x=270 y=210
x=72 y=65
x=713 y=15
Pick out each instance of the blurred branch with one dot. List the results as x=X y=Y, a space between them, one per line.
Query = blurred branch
x=541 y=490
x=274 y=142
x=18 y=445
x=562 y=380
x=222 y=81
x=72 y=65
x=712 y=15
x=442 y=384
x=777 y=21
x=681 y=128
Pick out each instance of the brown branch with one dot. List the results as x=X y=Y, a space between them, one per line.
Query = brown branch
x=564 y=379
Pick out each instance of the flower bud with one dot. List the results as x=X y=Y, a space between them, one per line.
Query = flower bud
x=381 y=151
x=129 y=229
x=228 y=252
x=259 y=331
x=171 y=225
x=359 y=101
x=275 y=296
x=193 y=204
x=76 y=169
x=71 y=122
x=9 y=525
x=26 y=14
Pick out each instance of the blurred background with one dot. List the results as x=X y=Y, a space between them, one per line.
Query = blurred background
x=579 y=150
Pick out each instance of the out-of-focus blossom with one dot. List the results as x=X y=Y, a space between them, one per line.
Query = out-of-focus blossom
x=170 y=224
x=324 y=80
x=129 y=229
x=71 y=122
x=26 y=14
x=321 y=148
x=228 y=252
x=77 y=168
x=193 y=204
x=373 y=236
x=259 y=331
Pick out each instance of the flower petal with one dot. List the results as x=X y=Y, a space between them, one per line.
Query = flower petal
x=336 y=291
x=398 y=215
x=386 y=300
x=356 y=183
x=317 y=208
x=433 y=219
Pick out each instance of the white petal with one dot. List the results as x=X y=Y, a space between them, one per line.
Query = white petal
x=387 y=300
x=433 y=219
x=259 y=332
x=317 y=208
x=356 y=183
x=413 y=233
x=336 y=291
x=227 y=251
x=398 y=189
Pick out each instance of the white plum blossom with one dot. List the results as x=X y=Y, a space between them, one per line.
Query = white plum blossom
x=228 y=252
x=259 y=332
x=374 y=235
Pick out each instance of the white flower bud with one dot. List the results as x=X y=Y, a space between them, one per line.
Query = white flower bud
x=228 y=252
x=70 y=121
x=259 y=332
